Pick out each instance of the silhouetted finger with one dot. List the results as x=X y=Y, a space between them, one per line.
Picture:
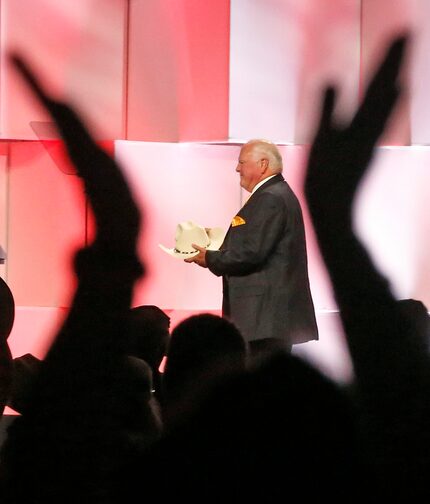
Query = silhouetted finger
x=29 y=76
x=327 y=111
x=383 y=89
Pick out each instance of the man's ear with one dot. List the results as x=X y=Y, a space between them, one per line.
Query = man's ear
x=264 y=165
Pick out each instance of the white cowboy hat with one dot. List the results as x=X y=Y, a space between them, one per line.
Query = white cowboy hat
x=188 y=233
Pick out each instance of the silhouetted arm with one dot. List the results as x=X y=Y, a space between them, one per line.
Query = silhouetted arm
x=338 y=160
x=71 y=434
x=387 y=348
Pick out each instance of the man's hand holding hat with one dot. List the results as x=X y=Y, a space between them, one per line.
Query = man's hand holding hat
x=200 y=258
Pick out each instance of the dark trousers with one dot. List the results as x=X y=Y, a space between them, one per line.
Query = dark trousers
x=266 y=346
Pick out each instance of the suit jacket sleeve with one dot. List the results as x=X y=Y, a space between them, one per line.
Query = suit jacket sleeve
x=248 y=246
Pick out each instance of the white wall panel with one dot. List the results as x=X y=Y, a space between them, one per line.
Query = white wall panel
x=393 y=219
x=264 y=69
x=420 y=75
x=282 y=54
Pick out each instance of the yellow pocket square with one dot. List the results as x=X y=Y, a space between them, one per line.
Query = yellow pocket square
x=237 y=221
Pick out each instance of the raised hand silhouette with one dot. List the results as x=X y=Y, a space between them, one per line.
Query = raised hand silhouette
x=392 y=369
x=90 y=406
x=340 y=154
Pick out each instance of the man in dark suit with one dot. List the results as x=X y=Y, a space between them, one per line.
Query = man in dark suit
x=263 y=259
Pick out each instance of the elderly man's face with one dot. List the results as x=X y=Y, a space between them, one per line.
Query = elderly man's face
x=249 y=167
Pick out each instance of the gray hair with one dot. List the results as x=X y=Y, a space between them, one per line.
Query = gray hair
x=270 y=151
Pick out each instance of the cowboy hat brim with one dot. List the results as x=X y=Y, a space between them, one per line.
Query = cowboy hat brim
x=216 y=236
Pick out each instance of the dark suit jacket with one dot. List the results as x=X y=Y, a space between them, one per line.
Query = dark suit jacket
x=263 y=262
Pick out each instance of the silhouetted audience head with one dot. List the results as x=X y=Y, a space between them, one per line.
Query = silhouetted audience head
x=7 y=310
x=24 y=373
x=201 y=348
x=149 y=334
x=143 y=419
x=7 y=317
x=417 y=312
